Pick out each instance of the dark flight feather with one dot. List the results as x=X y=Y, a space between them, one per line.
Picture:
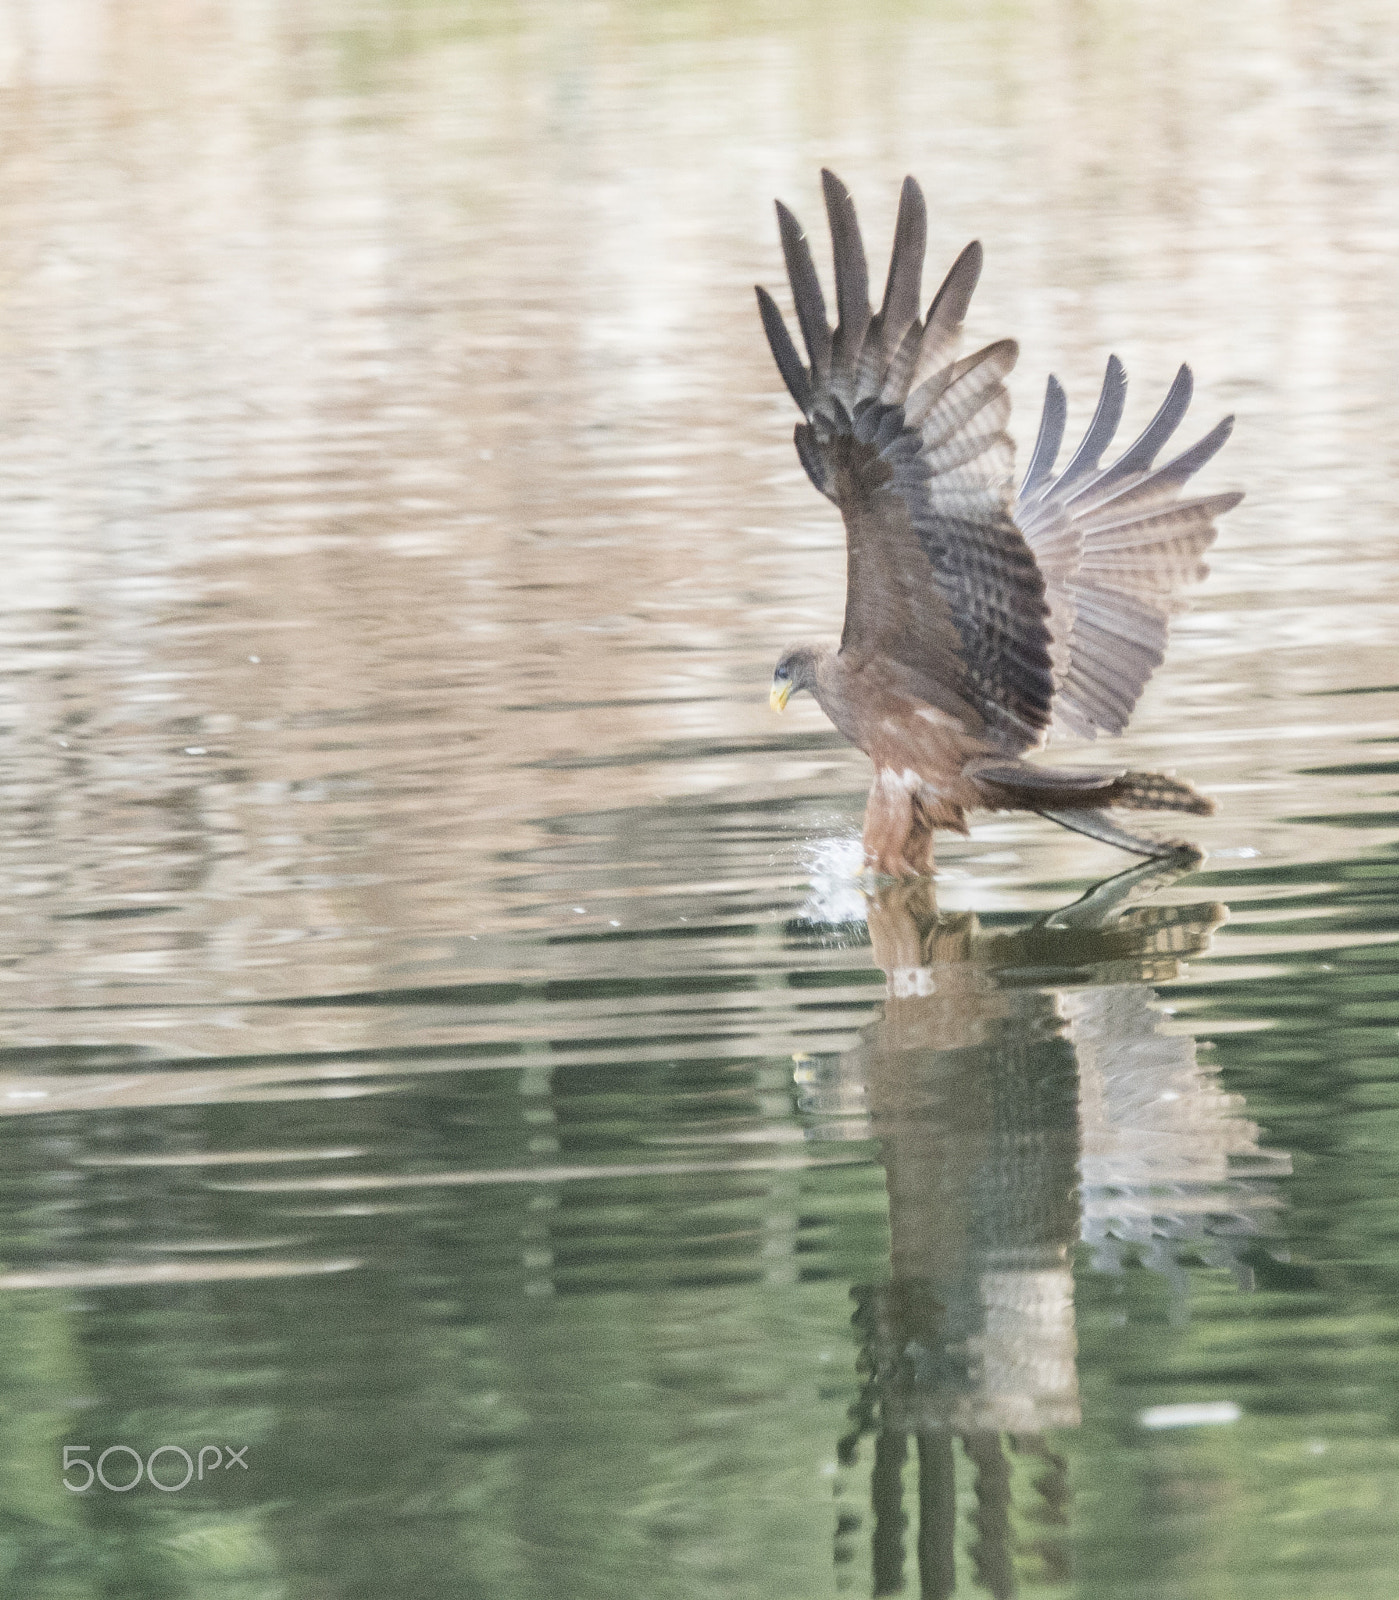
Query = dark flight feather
x=852 y=287
x=905 y=281
x=784 y=352
x=806 y=295
x=1139 y=455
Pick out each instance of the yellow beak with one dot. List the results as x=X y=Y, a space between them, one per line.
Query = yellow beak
x=780 y=694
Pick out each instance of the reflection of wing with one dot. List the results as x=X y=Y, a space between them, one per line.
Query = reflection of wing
x=1116 y=546
x=911 y=445
x=1167 y=1160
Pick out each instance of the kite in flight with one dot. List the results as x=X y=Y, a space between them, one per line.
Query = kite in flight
x=977 y=618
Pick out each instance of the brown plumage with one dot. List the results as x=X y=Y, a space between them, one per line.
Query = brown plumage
x=977 y=619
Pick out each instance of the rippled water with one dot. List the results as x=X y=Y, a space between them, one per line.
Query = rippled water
x=447 y=1058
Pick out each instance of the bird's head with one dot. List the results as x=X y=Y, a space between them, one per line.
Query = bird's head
x=796 y=671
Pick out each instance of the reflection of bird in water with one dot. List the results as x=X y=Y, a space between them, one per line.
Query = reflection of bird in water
x=1025 y=1096
x=975 y=618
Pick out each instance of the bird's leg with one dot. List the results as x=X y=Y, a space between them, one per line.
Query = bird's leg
x=888 y=819
x=898 y=838
x=1097 y=824
x=918 y=847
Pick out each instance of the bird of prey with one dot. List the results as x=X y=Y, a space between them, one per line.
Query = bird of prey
x=978 y=617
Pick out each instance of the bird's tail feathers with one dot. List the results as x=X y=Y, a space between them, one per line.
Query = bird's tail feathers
x=1154 y=791
x=1018 y=785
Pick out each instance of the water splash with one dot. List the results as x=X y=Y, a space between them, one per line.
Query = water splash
x=838 y=880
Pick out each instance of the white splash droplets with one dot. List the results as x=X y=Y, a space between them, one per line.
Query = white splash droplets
x=836 y=866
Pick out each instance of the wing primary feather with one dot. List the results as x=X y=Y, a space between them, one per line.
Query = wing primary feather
x=1184 y=466
x=1100 y=431
x=1160 y=487
x=1049 y=439
x=905 y=280
x=784 y=352
x=1139 y=455
x=852 y=283
x=898 y=312
x=806 y=293
x=949 y=305
x=948 y=311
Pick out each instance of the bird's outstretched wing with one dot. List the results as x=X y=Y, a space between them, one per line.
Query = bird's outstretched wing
x=941 y=587
x=1116 y=545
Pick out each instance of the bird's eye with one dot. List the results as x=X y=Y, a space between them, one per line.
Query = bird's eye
x=782 y=673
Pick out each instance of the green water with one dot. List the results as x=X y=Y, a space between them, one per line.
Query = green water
x=446 y=1059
